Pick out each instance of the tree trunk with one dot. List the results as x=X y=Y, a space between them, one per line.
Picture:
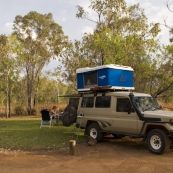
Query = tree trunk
x=7 y=106
x=29 y=104
x=9 y=99
x=29 y=94
x=29 y=100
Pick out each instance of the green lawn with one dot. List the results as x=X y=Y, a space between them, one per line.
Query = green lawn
x=25 y=134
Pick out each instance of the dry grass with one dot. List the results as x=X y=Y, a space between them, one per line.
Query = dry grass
x=38 y=108
x=166 y=106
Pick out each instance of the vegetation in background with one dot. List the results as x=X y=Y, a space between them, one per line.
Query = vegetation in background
x=122 y=35
x=41 y=39
x=9 y=73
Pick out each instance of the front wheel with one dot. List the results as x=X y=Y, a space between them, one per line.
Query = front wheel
x=158 y=141
x=95 y=132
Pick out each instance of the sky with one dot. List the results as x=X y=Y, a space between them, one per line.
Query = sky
x=64 y=13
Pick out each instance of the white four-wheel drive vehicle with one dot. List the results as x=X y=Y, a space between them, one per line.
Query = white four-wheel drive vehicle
x=123 y=113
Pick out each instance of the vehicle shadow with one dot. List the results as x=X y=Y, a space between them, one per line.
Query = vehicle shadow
x=129 y=143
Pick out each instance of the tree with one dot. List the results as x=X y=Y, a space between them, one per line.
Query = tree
x=121 y=32
x=49 y=89
x=161 y=80
x=164 y=76
x=122 y=36
x=8 y=70
x=41 y=39
x=72 y=57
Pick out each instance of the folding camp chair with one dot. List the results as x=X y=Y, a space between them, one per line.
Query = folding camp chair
x=46 y=120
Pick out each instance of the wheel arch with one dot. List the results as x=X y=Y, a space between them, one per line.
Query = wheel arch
x=152 y=127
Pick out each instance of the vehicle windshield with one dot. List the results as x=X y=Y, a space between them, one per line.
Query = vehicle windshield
x=146 y=103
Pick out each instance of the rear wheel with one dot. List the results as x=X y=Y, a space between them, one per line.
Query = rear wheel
x=95 y=132
x=158 y=141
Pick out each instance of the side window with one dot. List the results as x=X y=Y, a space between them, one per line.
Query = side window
x=87 y=102
x=124 y=105
x=103 y=102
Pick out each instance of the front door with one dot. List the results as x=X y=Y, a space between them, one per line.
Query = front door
x=126 y=120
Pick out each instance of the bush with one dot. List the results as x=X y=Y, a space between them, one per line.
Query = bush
x=19 y=110
x=33 y=111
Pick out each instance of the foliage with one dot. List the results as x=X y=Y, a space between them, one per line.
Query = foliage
x=9 y=72
x=122 y=36
x=163 y=78
x=161 y=81
x=49 y=89
x=33 y=111
x=20 y=92
x=41 y=39
x=72 y=57
x=19 y=110
x=25 y=134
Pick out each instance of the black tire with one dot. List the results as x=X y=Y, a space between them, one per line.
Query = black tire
x=158 y=141
x=94 y=131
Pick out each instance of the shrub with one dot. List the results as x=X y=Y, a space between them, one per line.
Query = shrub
x=19 y=110
x=33 y=111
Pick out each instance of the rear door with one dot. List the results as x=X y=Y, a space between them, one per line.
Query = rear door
x=85 y=110
x=103 y=113
x=98 y=109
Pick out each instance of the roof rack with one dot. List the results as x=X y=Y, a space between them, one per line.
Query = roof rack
x=101 y=89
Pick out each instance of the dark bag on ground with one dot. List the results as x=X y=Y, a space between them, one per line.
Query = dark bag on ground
x=69 y=116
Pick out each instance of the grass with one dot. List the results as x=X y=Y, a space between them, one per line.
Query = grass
x=25 y=134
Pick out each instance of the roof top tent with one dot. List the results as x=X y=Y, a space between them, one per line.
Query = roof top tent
x=105 y=77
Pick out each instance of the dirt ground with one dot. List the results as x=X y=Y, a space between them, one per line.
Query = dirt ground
x=109 y=156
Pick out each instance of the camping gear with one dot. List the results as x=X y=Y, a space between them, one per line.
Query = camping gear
x=46 y=120
x=115 y=77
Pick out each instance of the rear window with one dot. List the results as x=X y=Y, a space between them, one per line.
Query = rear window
x=87 y=102
x=74 y=102
x=103 y=102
